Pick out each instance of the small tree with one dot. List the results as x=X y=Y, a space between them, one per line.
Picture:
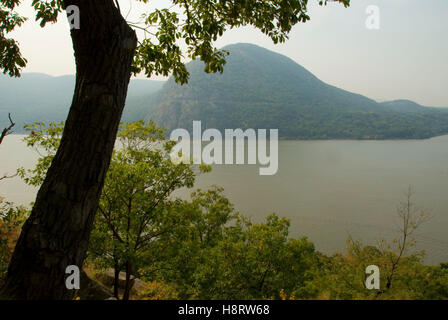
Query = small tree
x=343 y=275
x=133 y=211
x=256 y=261
x=220 y=254
x=410 y=218
x=133 y=206
x=181 y=252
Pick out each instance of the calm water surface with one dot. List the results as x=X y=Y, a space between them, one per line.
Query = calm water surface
x=329 y=189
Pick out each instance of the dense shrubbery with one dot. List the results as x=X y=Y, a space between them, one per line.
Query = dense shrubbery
x=11 y=219
x=203 y=249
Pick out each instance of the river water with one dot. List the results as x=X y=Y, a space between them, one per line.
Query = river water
x=328 y=189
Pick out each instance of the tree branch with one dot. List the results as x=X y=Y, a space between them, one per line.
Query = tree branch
x=8 y=177
x=7 y=130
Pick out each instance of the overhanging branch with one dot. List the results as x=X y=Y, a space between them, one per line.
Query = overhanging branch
x=7 y=130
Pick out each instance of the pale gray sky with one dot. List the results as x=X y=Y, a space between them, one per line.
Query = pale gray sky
x=405 y=59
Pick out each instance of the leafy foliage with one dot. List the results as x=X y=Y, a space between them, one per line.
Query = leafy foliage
x=255 y=261
x=133 y=205
x=197 y=23
x=45 y=141
x=11 y=60
x=11 y=220
x=202 y=22
x=342 y=276
x=133 y=211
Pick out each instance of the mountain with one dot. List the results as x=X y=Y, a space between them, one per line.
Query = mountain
x=258 y=89
x=263 y=89
x=39 y=97
x=403 y=106
x=140 y=92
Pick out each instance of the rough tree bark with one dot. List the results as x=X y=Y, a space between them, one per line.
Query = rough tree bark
x=57 y=232
x=116 y=280
x=128 y=282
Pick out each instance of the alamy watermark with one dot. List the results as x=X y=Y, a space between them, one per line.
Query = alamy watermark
x=72 y=282
x=73 y=16
x=212 y=153
x=373 y=17
x=373 y=278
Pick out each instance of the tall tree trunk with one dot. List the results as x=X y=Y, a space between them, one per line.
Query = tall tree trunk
x=57 y=232
x=116 y=280
x=128 y=283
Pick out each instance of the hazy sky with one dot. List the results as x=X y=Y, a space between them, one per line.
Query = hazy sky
x=405 y=59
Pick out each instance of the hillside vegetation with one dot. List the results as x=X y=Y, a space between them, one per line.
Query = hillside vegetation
x=258 y=89
x=263 y=89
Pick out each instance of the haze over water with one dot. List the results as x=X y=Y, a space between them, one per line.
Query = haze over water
x=329 y=189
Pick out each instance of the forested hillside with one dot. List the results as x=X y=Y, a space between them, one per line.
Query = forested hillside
x=259 y=89
x=263 y=89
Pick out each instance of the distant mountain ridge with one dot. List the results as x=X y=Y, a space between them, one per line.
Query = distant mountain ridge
x=258 y=89
x=263 y=89
x=39 y=97
x=403 y=105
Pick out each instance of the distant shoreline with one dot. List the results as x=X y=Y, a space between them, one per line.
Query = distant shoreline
x=318 y=140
